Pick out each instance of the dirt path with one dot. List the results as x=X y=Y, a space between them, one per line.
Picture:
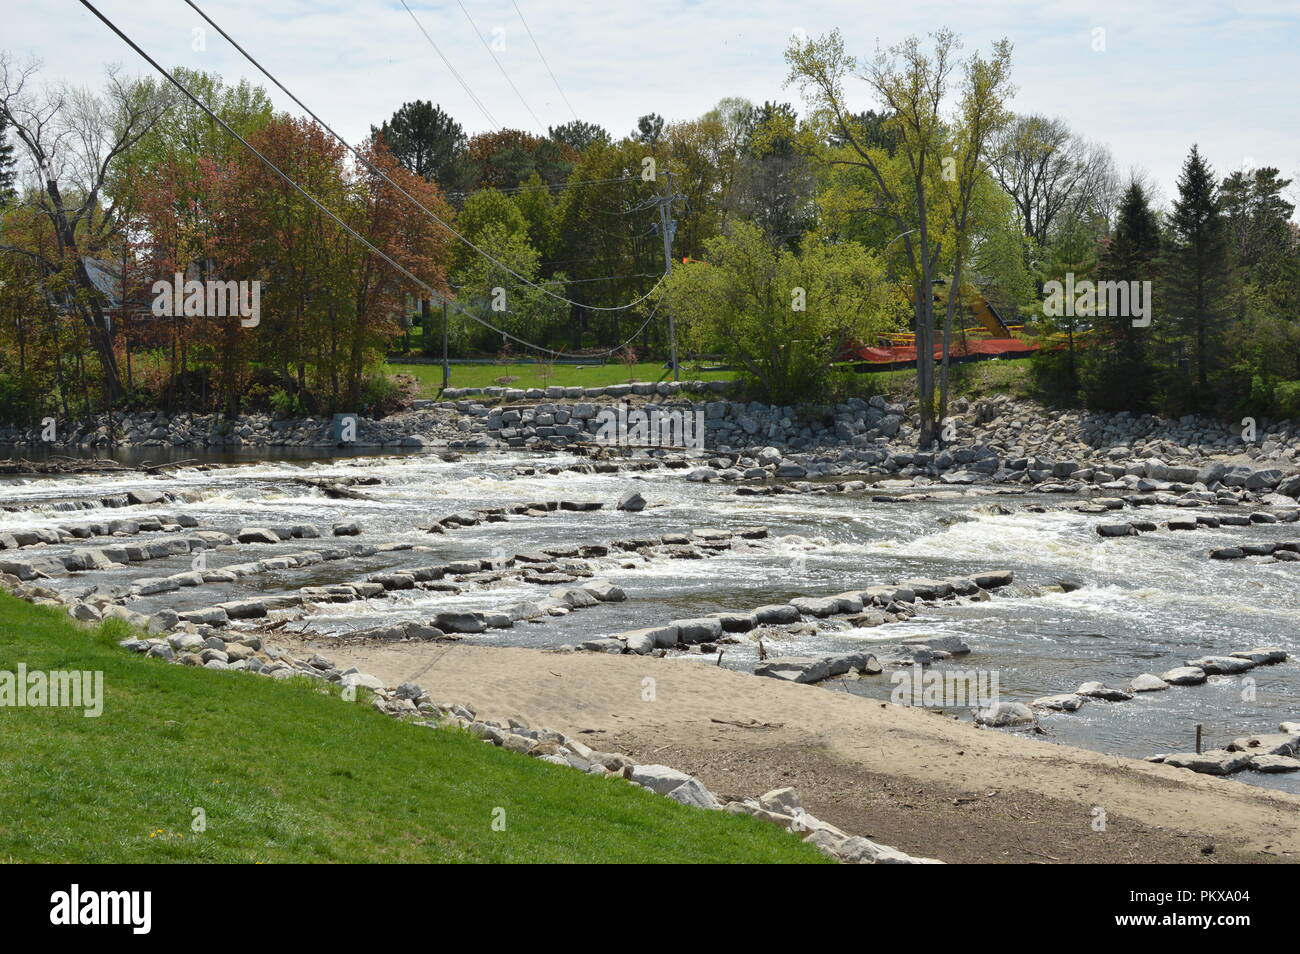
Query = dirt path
x=911 y=778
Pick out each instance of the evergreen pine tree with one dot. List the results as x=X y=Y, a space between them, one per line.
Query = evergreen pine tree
x=1195 y=273
x=1118 y=374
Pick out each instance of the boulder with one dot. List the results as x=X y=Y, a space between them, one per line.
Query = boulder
x=736 y=622
x=1003 y=714
x=948 y=644
x=1184 y=676
x=460 y=622
x=781 y=801
x=1222 y=665
x=1115 y=530
x=818 y=606
x=1276 y=743
x=604 y=591
x=1147 y=683
x=1097 y=690
x=703 y=629
x=645 y=641
x=1263 y=656
x=1213 y=762
x=1065 y=702
x=660 y=779
x=795 y=669
x=633 y=502
x=257 y=535
x=776 y=614
x=1274 y=763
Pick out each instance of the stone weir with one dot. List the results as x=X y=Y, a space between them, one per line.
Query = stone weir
x=873 y=606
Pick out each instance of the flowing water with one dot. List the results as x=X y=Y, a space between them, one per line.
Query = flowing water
x=1143 y=604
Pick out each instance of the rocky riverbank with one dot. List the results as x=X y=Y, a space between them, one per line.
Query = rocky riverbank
x=981 y=437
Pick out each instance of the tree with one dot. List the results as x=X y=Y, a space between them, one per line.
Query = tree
x=74 y=140
x=1196 y=266
x=1050 y=172
x=980 y=114
x=8 y=165
x=578 y=135
x=774 y=184
x=494 y=223
x=426 y=142
x=911 y=86
x=648 y=129
x=781 y=316
x=1117 y=373
x=603 y=243
x=1073 y=251
x=1258 y=230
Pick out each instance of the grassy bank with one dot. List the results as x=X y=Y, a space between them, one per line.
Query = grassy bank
x=286 y=772
x=540 y=376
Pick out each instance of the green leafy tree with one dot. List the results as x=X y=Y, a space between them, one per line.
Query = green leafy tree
x=779 y=315
x=494 y=223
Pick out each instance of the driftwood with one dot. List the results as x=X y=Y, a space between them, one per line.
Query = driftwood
x=63 y=465
x=332 y=488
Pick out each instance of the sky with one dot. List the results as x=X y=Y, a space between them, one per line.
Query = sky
x=1147 y=78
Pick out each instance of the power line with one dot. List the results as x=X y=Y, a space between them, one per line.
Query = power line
x=547 y=185
x=410 y=198
x=543 y=59
x=454 y=72
x=492 y=53
x=433 y=292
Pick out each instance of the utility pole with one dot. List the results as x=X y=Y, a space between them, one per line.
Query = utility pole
x=446 y=365
x=668 y=228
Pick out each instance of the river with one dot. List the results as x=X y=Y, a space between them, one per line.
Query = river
x=1143 y=604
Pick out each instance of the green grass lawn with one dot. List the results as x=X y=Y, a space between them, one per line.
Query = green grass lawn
x=534 y=375
x=287 y=772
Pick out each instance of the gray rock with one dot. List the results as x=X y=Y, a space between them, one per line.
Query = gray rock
x=776 y=614
x=1274 y=763
x=632 y=502
x=1002 y=714
x=460 y=622
x=1276 y=743
x=257 y=535
x=1184 y=676
x=805 y=669
x=1213 y=762
x=703 y=629
x=1147 y=683
x=1065 y=702
x=948 y=644
x=1097 y=690
x=1222 y=665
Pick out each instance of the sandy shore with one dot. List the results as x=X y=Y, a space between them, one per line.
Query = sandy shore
x=911 y=778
